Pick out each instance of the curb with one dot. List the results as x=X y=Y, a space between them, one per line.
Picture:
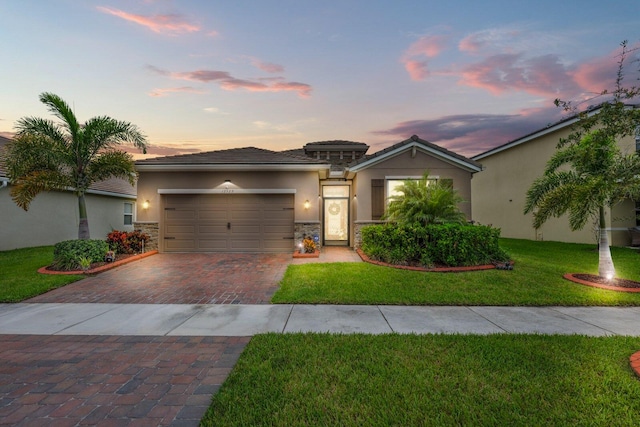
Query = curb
x=365 y=258
x=109 y=266
x=570 y=277
x=634 y=361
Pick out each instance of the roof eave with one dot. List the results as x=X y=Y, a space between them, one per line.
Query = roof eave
x=176 y=167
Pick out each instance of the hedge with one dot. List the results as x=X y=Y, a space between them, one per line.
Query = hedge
x=67 y=254
x=451 y=245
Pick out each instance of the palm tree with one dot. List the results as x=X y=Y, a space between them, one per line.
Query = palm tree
x=67 y=155
x=599 y=176
x=424 y=202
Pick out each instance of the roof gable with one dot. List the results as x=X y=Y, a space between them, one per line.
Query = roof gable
x=415 y=143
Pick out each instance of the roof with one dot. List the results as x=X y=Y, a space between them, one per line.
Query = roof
x=336 y=144
x=236 y=158
x=567 y=121
x=109 y=187
x=426 y=146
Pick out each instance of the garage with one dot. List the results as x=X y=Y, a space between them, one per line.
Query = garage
x=228 y=222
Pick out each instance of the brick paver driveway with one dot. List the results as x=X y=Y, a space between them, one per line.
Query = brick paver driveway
x=134 y=380
x=181 y=279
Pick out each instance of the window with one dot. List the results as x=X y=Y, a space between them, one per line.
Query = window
x=389 y=186
x=128 y=213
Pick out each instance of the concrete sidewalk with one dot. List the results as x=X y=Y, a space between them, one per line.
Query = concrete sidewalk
x=248 y=320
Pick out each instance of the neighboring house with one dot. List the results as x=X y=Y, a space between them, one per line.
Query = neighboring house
x=53 y=216
x=256 y=200
x=499 y=193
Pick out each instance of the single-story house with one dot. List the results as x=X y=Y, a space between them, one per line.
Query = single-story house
x=53 y=216
x=498 y=194
x=256 y=200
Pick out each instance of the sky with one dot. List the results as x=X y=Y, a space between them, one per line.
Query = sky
x=210 y=75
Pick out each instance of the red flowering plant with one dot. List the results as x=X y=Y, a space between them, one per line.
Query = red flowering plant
x=127 y=242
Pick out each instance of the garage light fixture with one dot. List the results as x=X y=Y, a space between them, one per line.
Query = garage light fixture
x=307 y=204
x=145 y=205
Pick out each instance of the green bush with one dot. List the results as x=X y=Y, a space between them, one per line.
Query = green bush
x=450 y=245
x=67 y=254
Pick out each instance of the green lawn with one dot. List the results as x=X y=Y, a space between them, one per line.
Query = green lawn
x=494 y=380
x=535 y=281
x=19 y=278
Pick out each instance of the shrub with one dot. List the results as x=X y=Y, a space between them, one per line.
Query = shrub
x=126 y=242
x=67 y=255
x=449 y=245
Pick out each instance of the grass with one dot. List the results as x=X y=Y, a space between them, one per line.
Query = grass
x=354 y=380
x=535 y=281
x=19 y=278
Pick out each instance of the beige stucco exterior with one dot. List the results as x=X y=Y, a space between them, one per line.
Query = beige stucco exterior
x=406 y=165
x=498 y=193
x=53 y=217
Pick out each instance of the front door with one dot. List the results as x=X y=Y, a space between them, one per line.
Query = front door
x=336 y=215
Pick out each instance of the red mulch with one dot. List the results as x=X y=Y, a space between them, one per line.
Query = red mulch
x=621 y=283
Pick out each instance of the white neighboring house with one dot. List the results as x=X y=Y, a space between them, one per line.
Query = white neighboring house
x=53 y=216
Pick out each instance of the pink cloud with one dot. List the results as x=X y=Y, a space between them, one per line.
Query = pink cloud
x=543 y=75
x=416 y=55
x=160 y=92
x=429 y=46
x=228 y=82
x=417 y=69
x=267 y=66
x=170 y=23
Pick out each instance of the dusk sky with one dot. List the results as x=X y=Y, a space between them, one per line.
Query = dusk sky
x=210 y=75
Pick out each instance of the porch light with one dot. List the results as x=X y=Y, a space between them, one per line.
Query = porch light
x=145 y=205
x=307 y=204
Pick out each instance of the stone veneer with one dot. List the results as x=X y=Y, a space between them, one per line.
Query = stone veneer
x=152 y=230
x=357 y=232
x=302 y=229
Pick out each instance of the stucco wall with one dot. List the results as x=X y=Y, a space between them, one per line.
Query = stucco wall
x=406 y=165
x=306 y=185
x=499 y=195
x=53 y=217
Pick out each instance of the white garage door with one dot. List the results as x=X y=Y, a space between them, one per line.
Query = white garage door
x=228 y=223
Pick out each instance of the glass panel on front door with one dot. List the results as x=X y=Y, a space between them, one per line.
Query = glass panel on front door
x=336 y=219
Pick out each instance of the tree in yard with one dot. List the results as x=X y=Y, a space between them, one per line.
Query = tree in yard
x=424 y=202
x=66 y=155
x=589 y=172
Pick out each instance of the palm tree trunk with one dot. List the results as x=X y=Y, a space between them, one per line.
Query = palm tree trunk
x=605 y=262
x=83 y=225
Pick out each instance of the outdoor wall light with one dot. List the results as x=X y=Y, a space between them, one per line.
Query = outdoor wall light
x=307 y=204
x=145 y=205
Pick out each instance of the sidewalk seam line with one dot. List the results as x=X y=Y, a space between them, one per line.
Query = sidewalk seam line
x=385 y=319
x=488 y=320
x=286 y=322
x=583 y=321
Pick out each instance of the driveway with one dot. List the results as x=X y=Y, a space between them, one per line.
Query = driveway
x=180 y=279
x=67 y=380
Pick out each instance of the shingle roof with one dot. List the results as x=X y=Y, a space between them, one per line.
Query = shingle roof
x=233 y=156
x=112 y=185
x=416 y=139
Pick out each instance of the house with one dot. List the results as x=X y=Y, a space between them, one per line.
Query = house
x=53 y=216
x=498 y=194
x=256 y=200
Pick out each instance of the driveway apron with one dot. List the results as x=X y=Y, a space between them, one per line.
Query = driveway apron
x=201 y=278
